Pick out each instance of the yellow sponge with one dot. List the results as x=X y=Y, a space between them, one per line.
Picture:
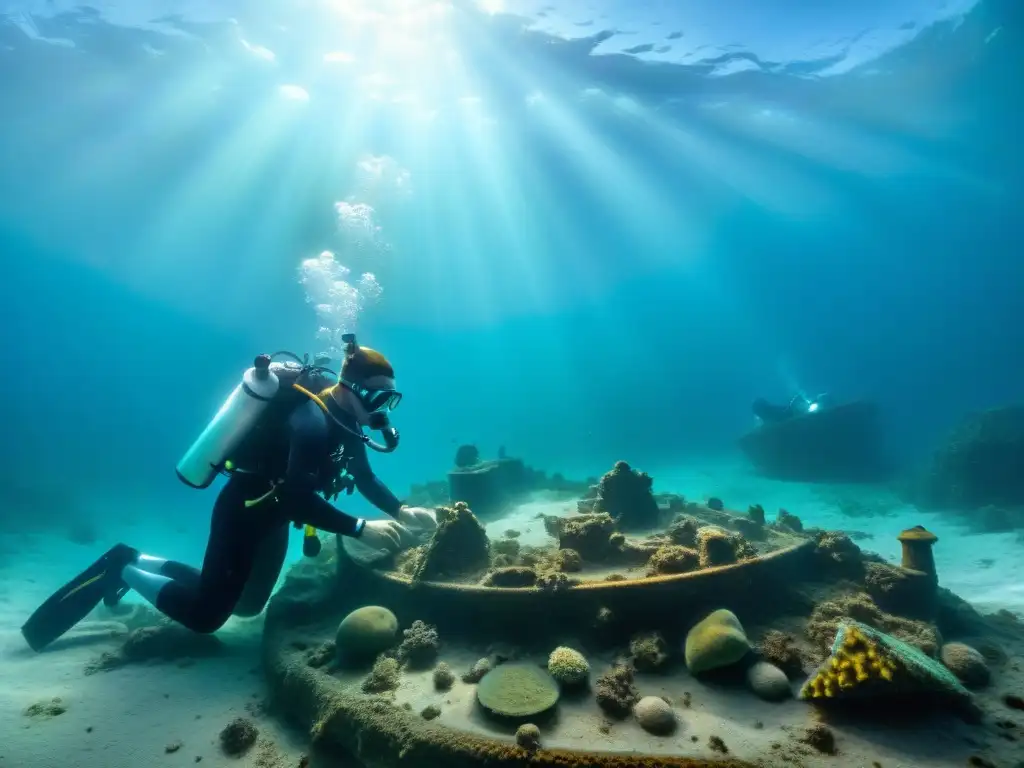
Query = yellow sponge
x=867 y=662
x=855 y=660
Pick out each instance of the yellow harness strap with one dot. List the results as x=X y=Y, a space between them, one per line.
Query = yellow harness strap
x=261 y=499
x=315 y=398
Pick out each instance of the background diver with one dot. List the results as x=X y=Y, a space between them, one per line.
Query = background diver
x=289 y=436
x=800 y=404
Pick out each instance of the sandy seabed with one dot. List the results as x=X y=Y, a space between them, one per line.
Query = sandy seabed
x=171 y=713
x=150 y=714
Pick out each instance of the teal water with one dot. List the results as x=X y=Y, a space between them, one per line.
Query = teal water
x=600 y=231
x=581 y=231
x=596 y=231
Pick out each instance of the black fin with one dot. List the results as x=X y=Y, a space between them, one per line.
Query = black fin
x=73 y=602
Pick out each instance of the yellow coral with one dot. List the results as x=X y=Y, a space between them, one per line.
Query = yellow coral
x=858 y=659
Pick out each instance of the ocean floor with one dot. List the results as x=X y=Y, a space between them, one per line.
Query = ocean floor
x=148 y=714
x=158 y=713
x=170 y=712
x=747 y=727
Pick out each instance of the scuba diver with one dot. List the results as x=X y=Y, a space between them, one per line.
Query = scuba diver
x=289 y=437
x=771 y=413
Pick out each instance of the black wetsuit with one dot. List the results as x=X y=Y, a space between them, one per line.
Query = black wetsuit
x=297 y=454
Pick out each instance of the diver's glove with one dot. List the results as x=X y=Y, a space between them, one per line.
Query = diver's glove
x=418 y=519
x=382 y=534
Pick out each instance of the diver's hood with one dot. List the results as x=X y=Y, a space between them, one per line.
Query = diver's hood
x=378 y=420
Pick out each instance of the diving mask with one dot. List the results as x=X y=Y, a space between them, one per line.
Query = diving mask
x=375 y=400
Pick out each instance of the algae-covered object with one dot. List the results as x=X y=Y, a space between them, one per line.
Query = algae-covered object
x=917 y=543
x=383 y=677
x=865 y=662
x=458 y=546
x=715 y=547
x=648 y=652
x=365 y=632
x=528 y=737
x=716 y=641
x=589 y=535
x=568 y=666
x=517 y=690
x=625 y=494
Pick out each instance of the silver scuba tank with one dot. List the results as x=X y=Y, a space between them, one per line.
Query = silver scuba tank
x=236 y=417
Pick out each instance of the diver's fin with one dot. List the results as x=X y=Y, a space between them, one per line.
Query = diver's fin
x=112 y=598
x=73 y=602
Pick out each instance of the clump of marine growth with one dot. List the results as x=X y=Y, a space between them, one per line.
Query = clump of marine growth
x=829 y=615
x=789 y=521
x=672 y=558
x=457 y=548
x=648 y=652
x=715 y=547
x=567 y=561
x=781 y=650
x=683 y=531
x=238 y=736
x=589 y=535
x=626 y=495
x=513 y=576
x=383 y=677
x=568 y=666
x=615 y=692
x=420 y=646
x=444 y=678
x=528 y=737
x=47 y=709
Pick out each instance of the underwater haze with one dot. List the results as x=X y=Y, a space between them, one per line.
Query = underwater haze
x=608 y=226
x=582 y=232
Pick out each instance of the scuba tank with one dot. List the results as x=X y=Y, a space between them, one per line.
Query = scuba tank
x=236 y=417
x=261 y=384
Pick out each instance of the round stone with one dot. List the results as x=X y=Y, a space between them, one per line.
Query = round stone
x=366 y=632
x=655 y=715
x=769 y=682
x=967 y=664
